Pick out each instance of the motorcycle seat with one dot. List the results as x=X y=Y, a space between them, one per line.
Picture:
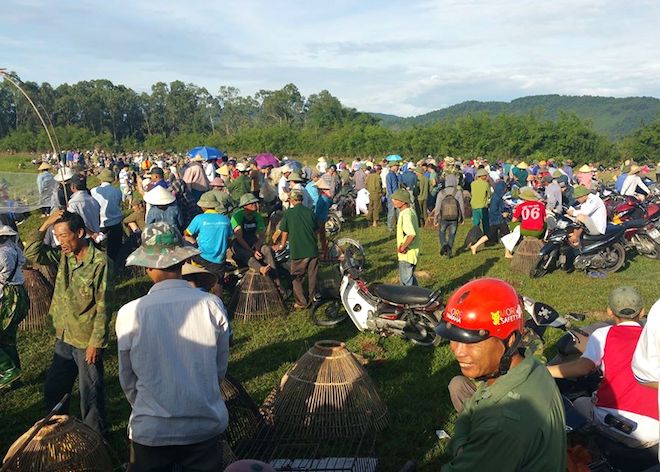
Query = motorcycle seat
x=402 y=295
x=609 y=231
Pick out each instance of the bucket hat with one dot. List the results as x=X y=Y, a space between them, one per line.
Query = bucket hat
x=528 y=194
x=584 y=168
x=43 y=166
x=580 y=191
x=247 y=199
x=162 y=246
x=106 y=175
x=207 y=200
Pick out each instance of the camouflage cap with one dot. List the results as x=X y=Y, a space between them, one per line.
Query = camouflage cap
x=106 y=175
x=625 y=302
x=162 y=246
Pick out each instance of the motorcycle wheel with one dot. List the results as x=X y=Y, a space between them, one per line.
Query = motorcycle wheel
x=616 y=257
x=540 y=269
x=652 y=249
x=424 y=334
x=347 y=248
x=328 y=312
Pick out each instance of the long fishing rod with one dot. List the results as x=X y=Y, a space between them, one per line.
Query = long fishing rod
x=9 y=78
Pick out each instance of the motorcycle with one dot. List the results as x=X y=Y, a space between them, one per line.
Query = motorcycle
x=409 y=312
x=600 y=252
x=605 y=454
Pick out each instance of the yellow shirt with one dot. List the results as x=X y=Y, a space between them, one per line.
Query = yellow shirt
x=406 y=225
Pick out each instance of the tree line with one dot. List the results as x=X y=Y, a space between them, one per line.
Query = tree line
x=178 y=116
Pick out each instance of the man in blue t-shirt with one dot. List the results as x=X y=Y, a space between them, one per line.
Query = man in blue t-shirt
x=321 y=211
x=210 y=231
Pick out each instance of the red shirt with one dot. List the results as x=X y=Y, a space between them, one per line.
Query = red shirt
x=531 y=214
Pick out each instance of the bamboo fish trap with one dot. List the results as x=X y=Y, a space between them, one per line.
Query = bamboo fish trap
x=526 y=255
x=327 y=393
x=256 y=297
x=63 y=444
x=244 y=416
x=40 y=293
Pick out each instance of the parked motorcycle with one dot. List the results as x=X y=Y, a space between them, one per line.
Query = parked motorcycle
x=409 y=312
x=604 y=252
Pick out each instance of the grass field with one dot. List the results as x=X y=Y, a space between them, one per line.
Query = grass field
x=411 y=380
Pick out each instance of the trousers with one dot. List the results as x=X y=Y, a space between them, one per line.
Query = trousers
x=392 y=215
x=460 y=390
x=299 y=268
x=115 y=235
x=447 y=233
x=407 y=273
x=373 y=212
x=14 y=306
x=69 y=363
x=200 y=457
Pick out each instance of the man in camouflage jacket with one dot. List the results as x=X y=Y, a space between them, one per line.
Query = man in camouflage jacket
x=78 y=315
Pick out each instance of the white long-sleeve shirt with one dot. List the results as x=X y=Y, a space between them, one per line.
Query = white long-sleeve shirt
x=595 y=209
x=646 y=360
x=173 y=351
x=629 y=187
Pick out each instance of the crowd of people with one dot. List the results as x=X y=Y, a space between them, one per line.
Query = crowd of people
x=189 y=216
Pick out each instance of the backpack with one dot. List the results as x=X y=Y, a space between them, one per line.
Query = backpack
x=450 y=208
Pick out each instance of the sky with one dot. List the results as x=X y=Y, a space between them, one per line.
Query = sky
x=397 y=57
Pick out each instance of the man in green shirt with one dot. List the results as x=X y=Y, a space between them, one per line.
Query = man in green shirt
x=78 y=314
x=299 y=228
x=241 y=184
x=514 y=421
x=423 y=196
x=374 y=185
x=480 y=194
x=407 y=240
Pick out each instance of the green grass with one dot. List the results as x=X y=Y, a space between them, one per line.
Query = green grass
x=411 y=380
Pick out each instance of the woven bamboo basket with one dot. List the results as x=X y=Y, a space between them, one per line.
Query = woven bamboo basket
x=64 y=444
x=256 y=297
x=327 y=393
x=244 y=416
x=40 y=293
x=48 y=271
x=526 y=255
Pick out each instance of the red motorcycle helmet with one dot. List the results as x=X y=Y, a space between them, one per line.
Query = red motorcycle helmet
x=482 y=309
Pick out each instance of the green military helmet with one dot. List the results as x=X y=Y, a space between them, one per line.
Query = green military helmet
x=247 y=199
x=162 y=246
x=207 y=201
x=106 y=175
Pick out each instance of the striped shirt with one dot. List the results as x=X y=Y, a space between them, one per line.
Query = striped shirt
x=173 y=351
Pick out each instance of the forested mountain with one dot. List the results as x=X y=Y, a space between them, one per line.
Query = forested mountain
x=613 y=117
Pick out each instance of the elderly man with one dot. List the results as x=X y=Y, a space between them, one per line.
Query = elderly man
x=78 y=314
x=109 y=199
x=173 y=348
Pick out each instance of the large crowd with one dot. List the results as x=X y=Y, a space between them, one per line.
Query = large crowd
x=185 y=219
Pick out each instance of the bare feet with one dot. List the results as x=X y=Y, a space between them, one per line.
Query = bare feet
x=474 y=250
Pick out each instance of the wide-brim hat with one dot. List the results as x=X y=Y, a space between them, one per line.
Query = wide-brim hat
x=106 y=175
x=482 y=172
x=7 y=231
x=161 y=246
x=241 y=167
x=217 y=182
x=556 y=174
x=199 y=274
x=580 y=191
x=401 y=195
x=634 y=169
x=247 y=199
x=43 y=166
x=322 y=184
x=159 y=196
x=584 y=168
x=64 y=175
x=197 y=158
x=223 y=170
x=295 y=177
x=522 y=165
x=207 y=200
x=528 y=194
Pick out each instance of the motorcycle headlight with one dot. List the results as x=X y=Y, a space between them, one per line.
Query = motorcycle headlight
x=562 y=224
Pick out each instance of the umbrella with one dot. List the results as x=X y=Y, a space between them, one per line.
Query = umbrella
x=266 y=159
x=207 y=152
x=296 y=166
x=393 y=157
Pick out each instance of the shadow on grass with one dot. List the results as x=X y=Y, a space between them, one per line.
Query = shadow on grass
x=478 y=271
